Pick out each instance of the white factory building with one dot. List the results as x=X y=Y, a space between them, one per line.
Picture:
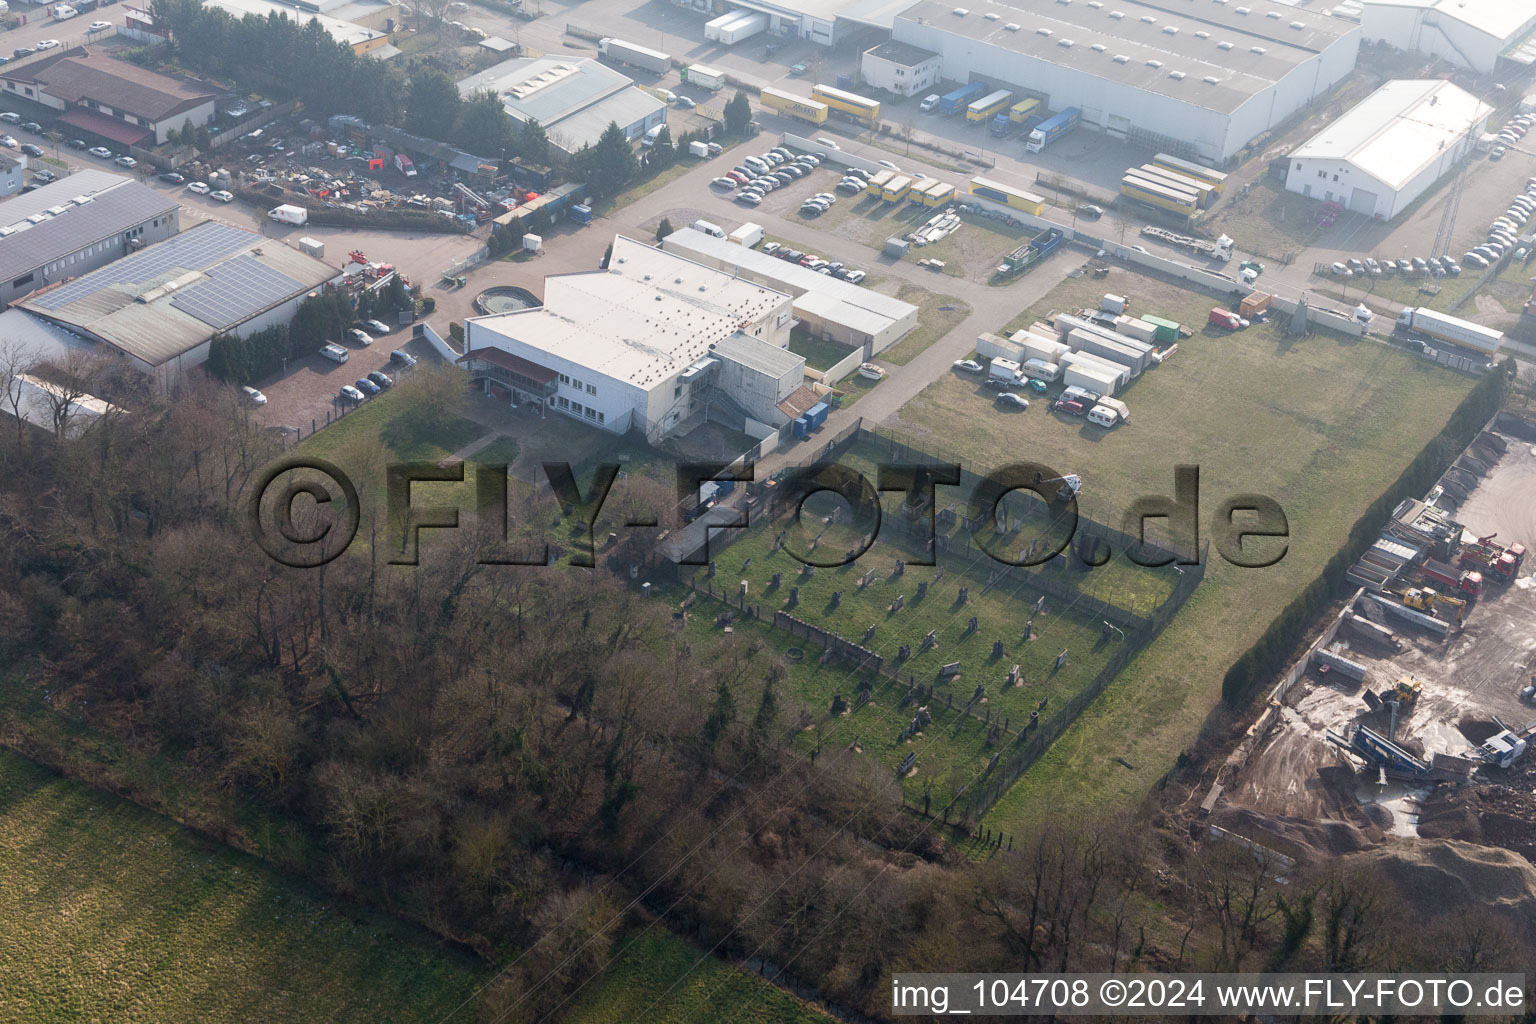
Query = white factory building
x=826 y=307
x=1192 y=77
x=1386 y=150
x=656 y=343
x=1471 y=33
x=572 y=98
x=901 y=68
x=827 y=22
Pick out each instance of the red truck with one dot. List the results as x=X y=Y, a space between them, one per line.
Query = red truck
x=1469 y=581
x=1224 y=318
x=1502 y=563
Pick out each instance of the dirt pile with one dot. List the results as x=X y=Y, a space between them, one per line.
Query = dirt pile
x=1305 y=839
x=1446 y=876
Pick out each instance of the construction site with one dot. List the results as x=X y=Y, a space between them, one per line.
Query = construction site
x=1412 y=715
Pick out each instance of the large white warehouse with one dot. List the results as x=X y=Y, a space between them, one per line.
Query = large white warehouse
x=1387 y=149
x=656 y=343
x=1472 y=33
x=1201 y=77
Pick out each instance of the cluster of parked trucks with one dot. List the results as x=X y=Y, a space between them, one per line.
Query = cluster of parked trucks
x=636 y=56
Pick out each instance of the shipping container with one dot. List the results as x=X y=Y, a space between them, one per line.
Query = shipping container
x=1094 y=378
x=1155 y=194
x=1215 y=179
x=801 y=107
x=748 y=235
x=939 y=194
x=1136 y=328
x=1035 y=346
x=1112 y=303
x=1167 y=330
x=1255 y=303
x=1205 y=194
x=895 y=190
x=876 y=186
x=1110 y=351
x=995 y=346
x=858 y=107
x=1120 y=372
x=1007 y=195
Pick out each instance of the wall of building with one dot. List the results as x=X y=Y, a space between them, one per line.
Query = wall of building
x=1330 y=180
x=88 y=258
x=1431 y=33
x=198 y=115
x=897 y=78
x=1117 y=107
x=12 y=179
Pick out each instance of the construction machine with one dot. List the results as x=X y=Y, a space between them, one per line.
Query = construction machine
x=1406 y=692
x=1426 y=600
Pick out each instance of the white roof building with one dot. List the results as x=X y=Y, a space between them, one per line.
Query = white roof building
x=572 y=98
x=1472 y=33
x=1190 y=77
x=827 y=307
x=1387 y=149
x=654 y=343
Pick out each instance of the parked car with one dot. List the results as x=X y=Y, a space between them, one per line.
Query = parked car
x=812 y=210
x=1355 y=265
x=1497 y=153
x=1090 y=210
x=174 y=178
x=684 y=103
x=351 y=394
x=1070 y=406
x=748 y=199
x=822 y=140
x=858 y=172
x=358 y=337
x=22 y=51
x=854 y=276
x=126 y=161
x=1340 y=270
x=811 y=158
x=887 y=163
x=33 y=127
x=9 y=117
x=31 y=149
x=792 y=255
x=76 y=143
x=44 y=175
x=725 y=183
x=199 y=187
x=828 y=196
x=45 y=44
x=809 y=258
x=816 y=265
x=738 y=177
x=929 y=102
x=402 y=357
x=967 y=366
x=769 y=248
x=366 y=386
x=1372 y=267
x=8 y=141
x=1010 y=400
x=1419 y=264
x=99 y=26
x=382 y=379
x=100 y=152
x=375 y=327
x=222 y=196
x=256 y=397
x=1450 y=266
x=1475 y=260
x=999 y=383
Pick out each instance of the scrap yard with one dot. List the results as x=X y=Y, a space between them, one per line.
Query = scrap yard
x=1413 y=714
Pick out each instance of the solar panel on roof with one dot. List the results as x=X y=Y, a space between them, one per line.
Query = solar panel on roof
x=203 y=246
x=235 y=291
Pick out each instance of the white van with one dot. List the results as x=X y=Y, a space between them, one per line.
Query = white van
x=705 y=226
x=649 y=139
x=929 y=102
x=1103 y=416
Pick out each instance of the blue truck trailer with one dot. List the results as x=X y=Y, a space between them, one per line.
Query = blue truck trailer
x=956 y=101
x=1048 y=131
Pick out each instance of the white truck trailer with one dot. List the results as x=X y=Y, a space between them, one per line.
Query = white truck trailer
x=1441 y=327
x=635 y=56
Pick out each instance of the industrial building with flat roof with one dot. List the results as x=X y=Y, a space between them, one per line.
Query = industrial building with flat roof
x=1386 y=150
x=346 y=31
x=1473 y=33
x=572 y=98
x=1192 y=77
x=71 y=226
x=108 y=99
x=826 y=307
x=656 y=343
x=162 y=305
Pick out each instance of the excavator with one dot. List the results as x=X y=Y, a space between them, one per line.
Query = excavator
x=1071 y=485
x=1426 y=600
x=1406 y=692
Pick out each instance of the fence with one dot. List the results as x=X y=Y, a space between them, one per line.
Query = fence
x=444 y=349
x=838 y=370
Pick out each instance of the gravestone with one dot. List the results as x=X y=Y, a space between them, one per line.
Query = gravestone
x=869 y=634
x=938 y=574
x=743 y=590
x=808 y=571
x=778 y=578
x=710 y=572
x=867 y=578
x=900 y=603
x=744 y=565
x=837 y=598
x=901 y=567
x=972 y=625
x=965 y=595
x=794 y=596
x=922 y=590
x=952 y=669
x=980 y=692
x=903 y=652
x=839 y=705
x=1013 y=675
x=997 y=648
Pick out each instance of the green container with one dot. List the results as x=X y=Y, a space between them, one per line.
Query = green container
x=1167 y=330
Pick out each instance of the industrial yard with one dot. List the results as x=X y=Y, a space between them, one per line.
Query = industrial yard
x=1452 y=689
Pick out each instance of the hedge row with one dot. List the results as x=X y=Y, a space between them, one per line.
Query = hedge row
x=1260 y=662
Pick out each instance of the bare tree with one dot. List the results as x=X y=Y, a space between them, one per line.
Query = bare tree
x=16 y=360
x=68 y=386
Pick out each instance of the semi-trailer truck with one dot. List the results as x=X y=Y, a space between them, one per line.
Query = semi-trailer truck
x=1441 y=327
x=953 y=102
x=635 y=56
x=1468 y=581
x=988 y=105
x=703 y=77
x=1051 y=129
x=732 y=29
x=1015 y=117
x=801 y=107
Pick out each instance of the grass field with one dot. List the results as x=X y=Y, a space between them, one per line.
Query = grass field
x=819 y=353
x=1322 y=424
x=113 y=913
x=947 y=756
x=658 y=978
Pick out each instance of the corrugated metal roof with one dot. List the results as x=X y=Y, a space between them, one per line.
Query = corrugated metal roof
x=128 y=304
x=106 y=214
x=573 y=98
x=758 y=355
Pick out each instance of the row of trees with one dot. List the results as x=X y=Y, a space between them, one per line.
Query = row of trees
x=320 y=319
x=519 y=754
x=480 y=124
